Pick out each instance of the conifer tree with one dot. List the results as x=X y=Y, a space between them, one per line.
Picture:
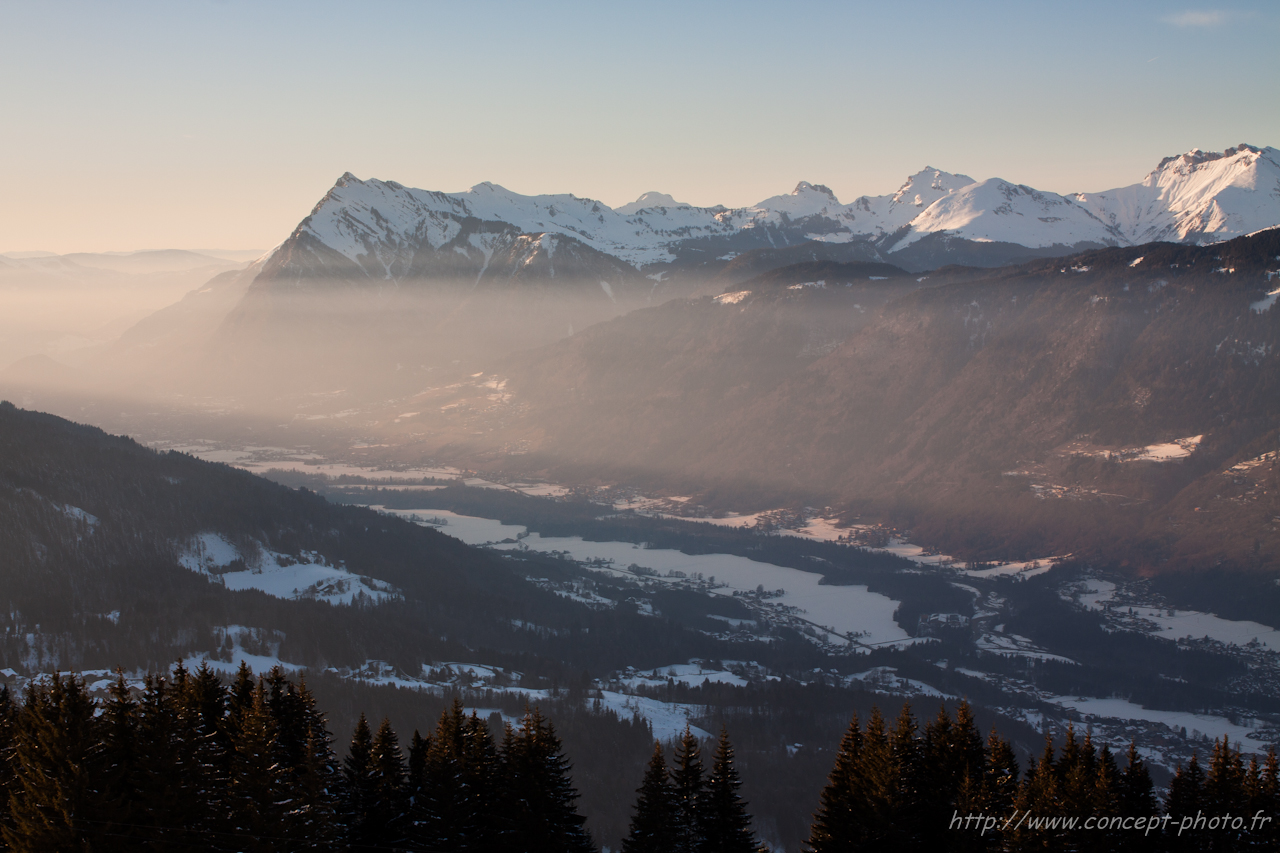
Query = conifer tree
x=541 y=795
x=1136 y=791
x=201 y=709
x=907 y=796
x=944 y=771
x=55 y=749
x=1135 y=795
x=357 y=781
x=999 y=776
x=438 y=817
x=387 y=808
x=1224 y=793
x=240 y=694
x=837 y=825
x=652 y=827
x=1264 y=797
x=481 y=775
x=162 y=795
x=8 y=724
x=286 y=708
x=418 y=748
x=686 y=783
x=1105 y=797
x=1038 y=795
x=120 y=769
x=970 y=750
x=879 y=783
x=990 y=792
x=316 y=781
x=1076 y=775
x=1186 y=798
x=726 y=825
x=258 y=797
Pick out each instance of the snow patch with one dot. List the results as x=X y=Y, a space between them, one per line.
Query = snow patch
x=305 y=575
x=1264 y=304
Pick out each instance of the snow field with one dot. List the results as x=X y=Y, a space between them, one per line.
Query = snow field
x=852 y=610
x=1174 y=624
x=1206 y=724
x=280 y=575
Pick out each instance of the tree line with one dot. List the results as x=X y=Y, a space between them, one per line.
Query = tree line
x=190 y=763
x=898 y=787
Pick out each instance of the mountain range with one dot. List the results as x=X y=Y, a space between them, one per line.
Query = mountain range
x=383 y=287
x=385 y=231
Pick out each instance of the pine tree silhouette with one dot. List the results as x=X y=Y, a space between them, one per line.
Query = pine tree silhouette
x=203 y=724
x=481 y=774
x=1186 y=798
x=1264 y=797
x=1104 y=799
x=1136 y=791
x=726 y=825
x=120 y=768
x=652 y=827
x=686 y=783
x=258 y=796
x=999 y=776
x=838 y=823
x=387 y=808
x=416 y=767
x=8 y=724
x=357 y=782
x=316 y=782
x=907 y=791
x=879 y=783
x=56 y=745
x=540 y=794
x=1039 y=794
x=438 y=815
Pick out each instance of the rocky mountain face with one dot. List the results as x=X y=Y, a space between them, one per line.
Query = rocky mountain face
x=1058 y=398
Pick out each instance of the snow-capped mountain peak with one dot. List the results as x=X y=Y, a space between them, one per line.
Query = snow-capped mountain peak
x=648 y=201
x=996 y=210
x=1197 y=196
x=805 y=200
x=928 y=185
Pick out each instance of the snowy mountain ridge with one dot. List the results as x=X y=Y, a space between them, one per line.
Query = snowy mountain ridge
x=1196 y=197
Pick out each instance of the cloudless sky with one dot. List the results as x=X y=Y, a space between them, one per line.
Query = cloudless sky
x=131 y=125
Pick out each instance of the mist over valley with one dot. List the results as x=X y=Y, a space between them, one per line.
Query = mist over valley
x=660 y=465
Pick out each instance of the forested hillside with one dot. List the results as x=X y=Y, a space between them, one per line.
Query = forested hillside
x=1117 y=400
x=189 y=762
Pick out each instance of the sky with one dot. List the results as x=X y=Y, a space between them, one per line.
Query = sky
x=146 y=125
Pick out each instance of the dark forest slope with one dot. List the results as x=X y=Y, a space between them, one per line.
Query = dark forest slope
x=1001 y=411
x=92 y=528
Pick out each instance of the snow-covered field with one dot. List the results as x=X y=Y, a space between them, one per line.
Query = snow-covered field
x=691 y=674
x=307 y=575
x=668 y=719
x=1205 y=724
x=1179 y=448
x=1174 y=624
x=263 y=458
x=848 y=610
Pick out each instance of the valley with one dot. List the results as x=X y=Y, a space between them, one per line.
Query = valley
x=863 y=628
x=659 y=466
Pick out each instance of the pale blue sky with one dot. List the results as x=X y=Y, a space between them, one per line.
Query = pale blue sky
x=201 y=124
